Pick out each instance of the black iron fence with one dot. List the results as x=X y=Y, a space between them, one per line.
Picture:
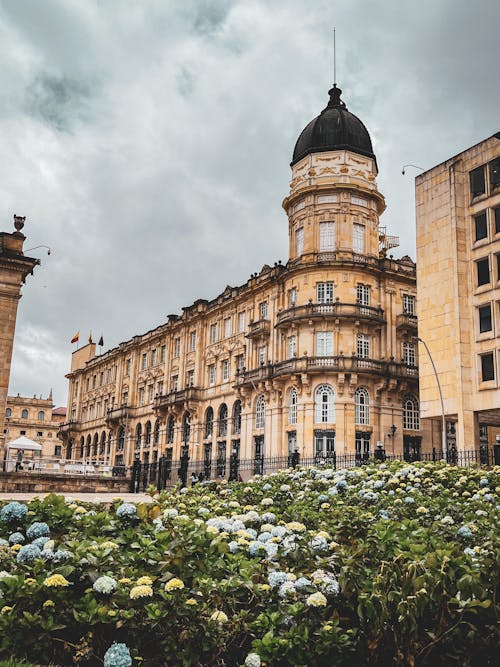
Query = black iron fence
x=167 y=472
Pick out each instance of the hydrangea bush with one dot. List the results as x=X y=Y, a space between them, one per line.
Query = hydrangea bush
x=390 y=564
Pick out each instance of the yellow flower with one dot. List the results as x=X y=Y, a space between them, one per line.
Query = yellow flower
x=174 y=584
x=264 y=587
x=191 y=601
x=80 y=510
x=325 y=506
x=141 y=592
x=212 y=530
x=49 y=603
x=30 y=581
x=219 y=617
x=316 y=600
x=15 y=547
x=124 y=580
x=56 y=581
x=295 y=526
x=144 y=581
x=109 y=545
x=111 y=613
x=6 y=609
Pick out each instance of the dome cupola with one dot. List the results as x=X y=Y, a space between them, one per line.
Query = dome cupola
x=334 y=129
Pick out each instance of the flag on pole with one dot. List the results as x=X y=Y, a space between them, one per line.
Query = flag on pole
x=90 y=338
x=101 y=341
x=75 y=338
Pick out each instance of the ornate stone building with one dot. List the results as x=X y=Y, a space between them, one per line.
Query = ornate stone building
x=317 y=355
x=14 y=267
x=458 y=249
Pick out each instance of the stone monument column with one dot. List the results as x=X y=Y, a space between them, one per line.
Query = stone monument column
x=14 y=267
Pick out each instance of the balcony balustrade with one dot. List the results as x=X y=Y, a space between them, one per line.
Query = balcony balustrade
x=173 y=398
x=259 y=328
x=337 y=309
x=407 y=322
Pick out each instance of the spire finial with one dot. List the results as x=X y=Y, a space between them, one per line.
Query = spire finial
x=334 y=60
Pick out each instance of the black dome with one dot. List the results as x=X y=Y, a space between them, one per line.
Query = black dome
x=334 y=129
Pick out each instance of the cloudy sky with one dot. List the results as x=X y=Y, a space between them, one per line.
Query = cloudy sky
x=148 y=141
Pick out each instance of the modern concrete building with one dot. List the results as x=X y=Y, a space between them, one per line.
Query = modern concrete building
x=458 y=276
x=317 y=355
x=14 y=267
x=36 y=418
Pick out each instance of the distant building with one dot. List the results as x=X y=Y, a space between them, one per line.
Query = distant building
x=316 y=356
x=14 y=267
x=458 y=276
x=38 y=420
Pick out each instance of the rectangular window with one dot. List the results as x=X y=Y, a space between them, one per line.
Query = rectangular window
x=324 y=343
x=190 y=378
x=292 y=346
x=211 y=375
x=39 y=434
x=263 y=310
x=324 y=292
x=363 y=346
x=125 y=398
x=151 y=393
x=144 y=361
x=141 y=396
x=408 y=304
x=240 y=362
x=496 y=213
x=127 y=368
x=225 y=369
x=108 y=376
x=358 y=237
x=498 y=266
x=363 y=294
x=292 y=297
x=409 y=354
x=262 y=354
x=487 y=367
x=242 y=322
x=326 y=236
x=94 y=382
x=477 y=182
x=481 y=226
x=227 y=327
x=101 y=379
x=153 y=357
x=159 y=388
x=192 y=341
x=299 y=241
x=485 y=321
x=483 y=272
x=177 y=347
x=175 y=383
x=213 y=333
x=494 y=173
x=163 y=354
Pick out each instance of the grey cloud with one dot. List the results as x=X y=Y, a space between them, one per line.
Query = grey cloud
x=59 y=101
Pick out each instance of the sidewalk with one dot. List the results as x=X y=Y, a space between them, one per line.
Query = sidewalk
x=84 y=497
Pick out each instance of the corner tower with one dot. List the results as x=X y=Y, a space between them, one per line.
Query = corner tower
x=334 y=204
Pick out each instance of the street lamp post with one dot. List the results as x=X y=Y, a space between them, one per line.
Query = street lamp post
x=443 y=426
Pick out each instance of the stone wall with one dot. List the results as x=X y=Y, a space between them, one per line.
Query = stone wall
x=32 y=482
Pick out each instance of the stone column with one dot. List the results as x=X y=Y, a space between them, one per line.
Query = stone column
x=14 y=267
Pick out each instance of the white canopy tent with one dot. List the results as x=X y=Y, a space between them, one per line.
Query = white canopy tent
x=16 y=450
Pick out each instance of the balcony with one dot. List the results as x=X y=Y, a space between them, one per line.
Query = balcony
x=177 y=398
x=68 y=426
x=407 y=322
x=115 y=415
x=260 y=328
x=320 y=311
x=254 y=375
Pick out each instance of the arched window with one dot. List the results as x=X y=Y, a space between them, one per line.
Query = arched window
x=260 y=412
x=170 y=429
x=120 y=444
x=237 y=417
x=324 y=405
x=209 y=422
x=24 y=414
x=41 y=416
x=89 y=446
x=186 y=427
x=96 y=444
x=156 y=433
x=138 y=435
x=411 y=413
x=223 y=420
x=102 y=448
x=292 y=407
x=8 y=412
x=147 y=434
x=362 y=406
x=69 y=449
x=82 y=447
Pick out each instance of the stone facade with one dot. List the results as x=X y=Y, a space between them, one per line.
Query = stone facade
x=314 y=356
x=458 y=260
x=14 y=267
x=37 y=419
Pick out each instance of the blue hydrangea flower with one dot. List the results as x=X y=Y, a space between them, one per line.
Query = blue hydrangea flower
x=341 y=485
x=322 y=498
x=483 y=481
x=117 y=655
x=469 y=552
x=286 y=588
x=254 y=548
x=271 y=549
x=3 y=543
x=13 y=512
x=409 y=500
x=464 y=532
x=28 y=554
x=60 y=555
x=233 y=547
x=127 y=511
x=17 y=538
x=268 y=517
x=267 y=487
x=264 y=537
x=318 y=543
x=488 y=498
x=378 y=484
x=384 y=514
x=40 y=542
x=278 y=531
x=302 y=582
x=104 y=585
x=38 y=529
x=276 y=578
